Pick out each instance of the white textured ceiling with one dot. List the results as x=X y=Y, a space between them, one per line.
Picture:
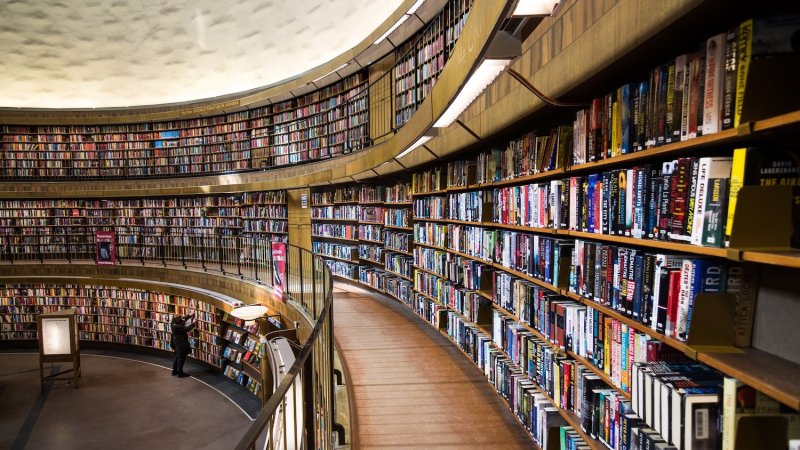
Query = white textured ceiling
x=107 y=53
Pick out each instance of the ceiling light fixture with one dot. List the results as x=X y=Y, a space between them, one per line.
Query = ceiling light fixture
x=503 y=49
x=394 y=27
x=415 y=7
x=402 y=19
x=430 y=134
x=249 y=312
x=332 y=71
x=535 y=7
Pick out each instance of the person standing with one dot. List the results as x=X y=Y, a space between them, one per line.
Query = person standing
x=181 y=326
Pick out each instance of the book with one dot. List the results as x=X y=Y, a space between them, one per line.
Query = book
x=708 y=169
x=729 y=81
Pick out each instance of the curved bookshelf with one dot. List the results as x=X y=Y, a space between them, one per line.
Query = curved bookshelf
x=330 y=121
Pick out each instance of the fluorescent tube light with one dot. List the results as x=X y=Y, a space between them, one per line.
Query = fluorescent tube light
x=419 y=143
x=394 y=27
x=482 y=77
x=405 y=17
x=334 y=70
x=251 y=312
x=415 y=7
x=535 y=7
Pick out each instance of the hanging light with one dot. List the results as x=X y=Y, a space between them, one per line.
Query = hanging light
x=249 y=312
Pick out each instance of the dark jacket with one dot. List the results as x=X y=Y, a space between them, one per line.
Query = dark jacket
x=180 y=338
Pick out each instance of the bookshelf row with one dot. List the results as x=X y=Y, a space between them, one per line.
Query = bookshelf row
x=371 y=245
x=137 y=317
x=422 y=58
x=330 y=121
x=584 y=266
x=142 y=227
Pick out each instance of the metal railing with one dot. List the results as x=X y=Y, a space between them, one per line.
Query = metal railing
x=308 y=282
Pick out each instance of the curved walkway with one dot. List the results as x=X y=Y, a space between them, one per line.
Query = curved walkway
x=412 y=387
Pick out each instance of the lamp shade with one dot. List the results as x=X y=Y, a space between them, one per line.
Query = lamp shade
x=250 y=312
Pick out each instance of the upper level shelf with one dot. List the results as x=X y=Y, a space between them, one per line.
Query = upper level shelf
x=327 y=122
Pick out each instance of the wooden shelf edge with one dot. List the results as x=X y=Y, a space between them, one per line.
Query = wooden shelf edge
x=640 y=327
x=788 y=258
x=313 y=236
x=776 y=377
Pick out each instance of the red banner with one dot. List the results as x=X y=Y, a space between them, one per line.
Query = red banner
x=279 y=268
x=106 y=248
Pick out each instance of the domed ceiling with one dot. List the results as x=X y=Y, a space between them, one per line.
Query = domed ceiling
x=115 y=53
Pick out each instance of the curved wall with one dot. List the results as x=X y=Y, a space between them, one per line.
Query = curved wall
x=484 y=20
x=562 y=52
x=189 y=283
x=316 y=77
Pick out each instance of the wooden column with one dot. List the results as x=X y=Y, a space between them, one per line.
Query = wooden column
x=299 y=218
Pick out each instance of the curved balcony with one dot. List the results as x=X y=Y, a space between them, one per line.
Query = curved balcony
x=388 y=136
x=226 y=271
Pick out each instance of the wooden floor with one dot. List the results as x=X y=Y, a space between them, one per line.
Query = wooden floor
x=412 y=387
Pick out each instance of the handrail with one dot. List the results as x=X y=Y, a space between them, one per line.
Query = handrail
x=308 y=282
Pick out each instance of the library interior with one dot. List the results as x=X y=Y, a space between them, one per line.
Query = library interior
x=413 y=224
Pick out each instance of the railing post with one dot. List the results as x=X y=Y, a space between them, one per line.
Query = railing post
x=142 y=245
x=39 y=244
x=203 y=252
x=238 y=255
x=9 y=253
x=302 y=279
x=183 y=248
x=309 y=380
x=219 y=251
x=162 y=250
x=256 y=262
x=272 y=269
x=66 y=246
x=314 y=286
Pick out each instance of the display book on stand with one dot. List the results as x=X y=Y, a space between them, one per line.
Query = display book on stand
x=242 y=351
x=594 y=271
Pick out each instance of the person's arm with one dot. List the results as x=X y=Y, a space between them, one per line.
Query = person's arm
x=190 y=322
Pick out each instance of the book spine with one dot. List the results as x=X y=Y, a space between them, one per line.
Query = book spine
x=606 y=193
x=685 y=298
x=629 y=202
x=713 y=224
x=736 y=183
x=701 y=87
x=671 y=120
x=694 y=104
x=729 y=81
x=679 y=118
x=626 y=121
x=636 y=143
x=743 y=54
x=701 y=185
x=661 y=107
x=673 y=300
x=714 y=77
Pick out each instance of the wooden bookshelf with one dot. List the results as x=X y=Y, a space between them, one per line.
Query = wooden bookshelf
x=145 y=322
x=324 y=205
x=420 y=60
x=776 y=258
